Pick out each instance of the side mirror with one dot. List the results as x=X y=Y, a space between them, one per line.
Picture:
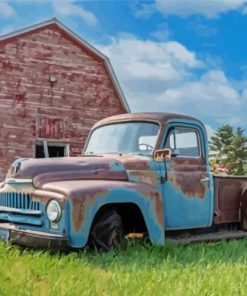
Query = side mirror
x=161 y=155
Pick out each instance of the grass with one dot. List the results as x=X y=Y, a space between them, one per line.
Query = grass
x=198 y=269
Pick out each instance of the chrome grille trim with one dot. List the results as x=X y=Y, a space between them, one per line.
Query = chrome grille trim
x=18 y=181
x=18 y=200
x=20 y=211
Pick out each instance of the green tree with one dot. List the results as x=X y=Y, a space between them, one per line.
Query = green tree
x=230 y=149
x=237 y=153
x=221 y=142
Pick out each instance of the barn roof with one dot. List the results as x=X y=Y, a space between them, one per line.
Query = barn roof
x=82 y=42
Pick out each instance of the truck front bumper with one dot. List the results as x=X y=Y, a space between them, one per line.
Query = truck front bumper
x=33 y=239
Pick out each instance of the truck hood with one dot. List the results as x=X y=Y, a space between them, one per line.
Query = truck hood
x=103 y=167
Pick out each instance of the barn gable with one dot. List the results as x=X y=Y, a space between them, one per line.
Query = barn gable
x=53 y=87
x=55 y=25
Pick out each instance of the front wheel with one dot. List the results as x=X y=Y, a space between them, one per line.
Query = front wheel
x=107 y=233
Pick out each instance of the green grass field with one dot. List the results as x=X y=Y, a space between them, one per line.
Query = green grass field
x=199 y=269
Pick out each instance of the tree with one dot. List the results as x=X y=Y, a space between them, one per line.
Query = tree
x=220 y=143
x=230 y=149
x=237 y=153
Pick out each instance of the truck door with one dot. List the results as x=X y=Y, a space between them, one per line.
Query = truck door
x=187 y=191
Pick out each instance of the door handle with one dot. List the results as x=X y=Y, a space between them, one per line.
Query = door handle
x=204 y=180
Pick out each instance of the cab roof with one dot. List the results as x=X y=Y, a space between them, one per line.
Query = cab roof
x=160 y=117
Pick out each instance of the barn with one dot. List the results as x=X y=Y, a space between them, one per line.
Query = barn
x=53 y=87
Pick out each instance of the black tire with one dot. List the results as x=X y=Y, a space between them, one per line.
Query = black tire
x=107 y=233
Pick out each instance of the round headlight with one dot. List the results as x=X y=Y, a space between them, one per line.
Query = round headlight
x=53 y=211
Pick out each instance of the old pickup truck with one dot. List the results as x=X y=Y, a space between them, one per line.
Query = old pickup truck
x=140 y=174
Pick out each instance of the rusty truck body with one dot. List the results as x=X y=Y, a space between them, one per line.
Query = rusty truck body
x=143 y=173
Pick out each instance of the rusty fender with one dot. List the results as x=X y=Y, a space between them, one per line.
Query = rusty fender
x=86 y=197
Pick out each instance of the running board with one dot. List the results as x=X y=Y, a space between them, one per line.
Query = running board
x=216 y=236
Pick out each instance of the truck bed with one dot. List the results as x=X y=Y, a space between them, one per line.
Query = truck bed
x=230 y=198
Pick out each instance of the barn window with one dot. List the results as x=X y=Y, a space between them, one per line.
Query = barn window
x=44 y=149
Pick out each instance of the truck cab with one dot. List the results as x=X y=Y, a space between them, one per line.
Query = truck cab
x=140 y=174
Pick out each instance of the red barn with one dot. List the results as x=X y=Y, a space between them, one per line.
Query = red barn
x=53 y=87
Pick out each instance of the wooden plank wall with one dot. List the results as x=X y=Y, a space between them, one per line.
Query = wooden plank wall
x=83 y=94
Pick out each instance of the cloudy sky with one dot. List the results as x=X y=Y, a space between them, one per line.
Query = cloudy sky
x=184 y=56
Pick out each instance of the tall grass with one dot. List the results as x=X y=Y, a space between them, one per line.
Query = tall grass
x=198 y=269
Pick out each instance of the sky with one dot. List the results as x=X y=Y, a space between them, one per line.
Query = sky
x=183 y=56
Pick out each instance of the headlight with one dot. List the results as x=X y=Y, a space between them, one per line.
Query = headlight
x=15 y=167
x=53 y=211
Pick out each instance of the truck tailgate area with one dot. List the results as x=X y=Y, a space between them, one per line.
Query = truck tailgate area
x=228 y=204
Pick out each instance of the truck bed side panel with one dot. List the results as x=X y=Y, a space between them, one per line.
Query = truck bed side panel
x=228 y=193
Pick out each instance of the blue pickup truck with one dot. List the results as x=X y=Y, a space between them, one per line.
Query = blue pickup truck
x=144 y=174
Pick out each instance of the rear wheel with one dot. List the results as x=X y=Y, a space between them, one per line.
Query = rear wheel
x=107 y=233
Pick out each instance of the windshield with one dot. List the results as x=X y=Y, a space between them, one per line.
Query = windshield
x=125 y=137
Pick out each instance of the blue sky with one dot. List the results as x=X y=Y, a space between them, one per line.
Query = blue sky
x=184 y=56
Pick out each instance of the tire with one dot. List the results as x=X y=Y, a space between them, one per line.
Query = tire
x=107 y=232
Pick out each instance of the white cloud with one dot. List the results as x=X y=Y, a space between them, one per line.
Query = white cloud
x=6 y=10
x=212 y=87
x=244 y=10
x=164 y=77
x=69 y=8
x=183 y=55
x=207 y=8
x=162 y=33
x=140 y=60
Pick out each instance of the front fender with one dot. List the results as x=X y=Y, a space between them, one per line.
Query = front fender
x=85 y=198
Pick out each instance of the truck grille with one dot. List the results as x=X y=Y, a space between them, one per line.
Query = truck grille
x=18 y=200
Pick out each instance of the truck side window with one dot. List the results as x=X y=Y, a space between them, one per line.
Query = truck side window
x=183 y=142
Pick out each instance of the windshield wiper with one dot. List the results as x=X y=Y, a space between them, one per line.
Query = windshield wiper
x=92 y=154
x=89 y=153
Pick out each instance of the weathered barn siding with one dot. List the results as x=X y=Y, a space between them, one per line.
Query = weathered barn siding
x=33 y=109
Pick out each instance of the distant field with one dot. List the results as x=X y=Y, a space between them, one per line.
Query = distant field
x=199 y=269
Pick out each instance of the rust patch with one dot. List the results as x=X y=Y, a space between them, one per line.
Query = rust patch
x=31 y=168
x=144 y=176
x=107 y=167
x=79 y=202
x=189 y=186
x=100 y=174
x=78 y=211
x=89 y=195
x=157 y=199
x=137 y=164
x=186 y=176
